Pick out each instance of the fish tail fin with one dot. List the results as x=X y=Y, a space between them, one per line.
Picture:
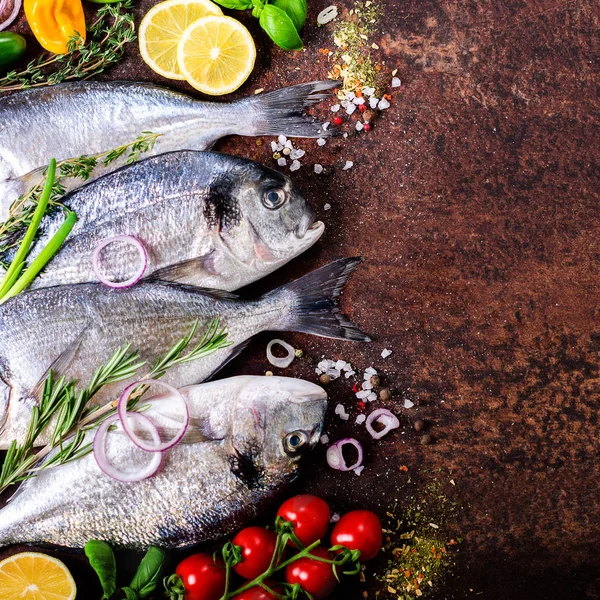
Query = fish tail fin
x=311 y=304
x=281 y=112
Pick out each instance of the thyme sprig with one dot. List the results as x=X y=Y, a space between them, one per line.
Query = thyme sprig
x=107 y=37
x=23 y=208
x=73 y=416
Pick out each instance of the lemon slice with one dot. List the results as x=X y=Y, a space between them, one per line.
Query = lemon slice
x=35 y=576
x=216 y=55
x=161 y=30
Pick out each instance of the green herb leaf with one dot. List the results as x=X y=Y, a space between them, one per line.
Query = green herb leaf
x=148 y=574
x=130 y=594
x=102 y=559
x=294 y=9
x=280 y=28
x=235 y=4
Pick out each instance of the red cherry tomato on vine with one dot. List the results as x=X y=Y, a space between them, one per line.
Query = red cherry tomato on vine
x=359 y=530
x=203 y=579
x=258 y=545
x=258 y=593
x=314 y=576
x=310 y=516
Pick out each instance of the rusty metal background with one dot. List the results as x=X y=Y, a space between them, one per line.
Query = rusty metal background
x=475 y=202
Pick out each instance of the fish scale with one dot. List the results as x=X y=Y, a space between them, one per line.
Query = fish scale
x=74 y=329
x=195 y=496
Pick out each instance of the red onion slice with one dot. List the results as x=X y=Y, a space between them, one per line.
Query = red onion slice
x=386 y=418
x=281 y=362
x=99 y=448
x=335 y=456
x=120 y=238
x=13 y=14
x=158 y=446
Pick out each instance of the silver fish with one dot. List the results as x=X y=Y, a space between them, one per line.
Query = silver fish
x=205 y=218
x=90 y=117
x=243 y=445
x=75 y=329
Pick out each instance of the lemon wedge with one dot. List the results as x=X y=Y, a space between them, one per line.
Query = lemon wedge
x=216 y=55
x=36 y=576
x=162 y=28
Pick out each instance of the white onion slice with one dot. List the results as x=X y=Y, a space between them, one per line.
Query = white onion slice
x=99 y=447
x=157 y=446
x=13 y=14
x=335 y=456
x=136 y=276
x=281 y=362
x=386 y=418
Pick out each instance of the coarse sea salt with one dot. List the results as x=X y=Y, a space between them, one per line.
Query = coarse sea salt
x=282 y=162
x=385 y=353
x=327 y=206
x=370 y=371
x=359 y=470
x=373 y=102
x=350 y=108
x=383 y=104
x=349 y=164
x=360 y=419
x=368 y=91
x=297 y=153
x=358 y=101
x=274 y=147
x=295 y=165
x=349 y=374
x=366 y=385
x=325 y=125
x=334 y=518
x=408 y=403
x=321 y=141
x=318 y=168
x=363 y=394
x=282 y=139
x=340 y=364
x=335 y=108
x=350 y=95
x=359 y=126
x=324 y=439
x=372 y=397
x=396 y=82
x=288 y=144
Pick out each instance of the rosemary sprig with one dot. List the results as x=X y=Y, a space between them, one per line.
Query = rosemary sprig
x=107 y=37
x=22 y=210
x=70 y=407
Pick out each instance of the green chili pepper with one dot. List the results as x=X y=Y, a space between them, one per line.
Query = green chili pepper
x=12 y=48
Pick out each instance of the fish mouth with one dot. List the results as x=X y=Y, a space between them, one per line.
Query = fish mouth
x=306 y=223
x=311 y=234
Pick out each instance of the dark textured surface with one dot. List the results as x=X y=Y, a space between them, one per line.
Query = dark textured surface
x=475 y=203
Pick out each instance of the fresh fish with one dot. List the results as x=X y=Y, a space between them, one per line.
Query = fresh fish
x=75 y=329
x=90 y=117
x=244 y=444
x=205 y=218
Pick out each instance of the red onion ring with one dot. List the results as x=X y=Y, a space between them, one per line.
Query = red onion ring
x=282 y=363
x=13 y=14
x=99 y=448
x=386 y=418
x=335 y=456
x=123 y=414
x=120 y=238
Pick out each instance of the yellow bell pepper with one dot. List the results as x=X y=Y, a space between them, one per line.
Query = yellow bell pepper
x=54 y=22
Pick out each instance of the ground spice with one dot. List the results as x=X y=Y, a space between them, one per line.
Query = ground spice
x=352 y=58
x=420 y=551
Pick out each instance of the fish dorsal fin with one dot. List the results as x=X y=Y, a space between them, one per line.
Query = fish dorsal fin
x=59 y=365
x=212 y=292
x=187 y=269
x=235 y=352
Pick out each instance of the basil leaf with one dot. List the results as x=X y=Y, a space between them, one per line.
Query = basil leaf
x=102 y=559
x=235 y=4
x=294 y=9
x=130 y=594
x=280 y=28
x=147 y=576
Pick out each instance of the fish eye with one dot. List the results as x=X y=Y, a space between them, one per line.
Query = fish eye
x=294 y=441
x=274 y=198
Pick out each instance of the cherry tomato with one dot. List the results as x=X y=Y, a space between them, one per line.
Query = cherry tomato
x=258 y=593
x=203 y=579
x=359 y=530
x=310 y=516
x=258 y=545
x=315 y=577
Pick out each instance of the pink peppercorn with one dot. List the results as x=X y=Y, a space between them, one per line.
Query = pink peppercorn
x=337 y=120
x=362 y=107
x=367 y=127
